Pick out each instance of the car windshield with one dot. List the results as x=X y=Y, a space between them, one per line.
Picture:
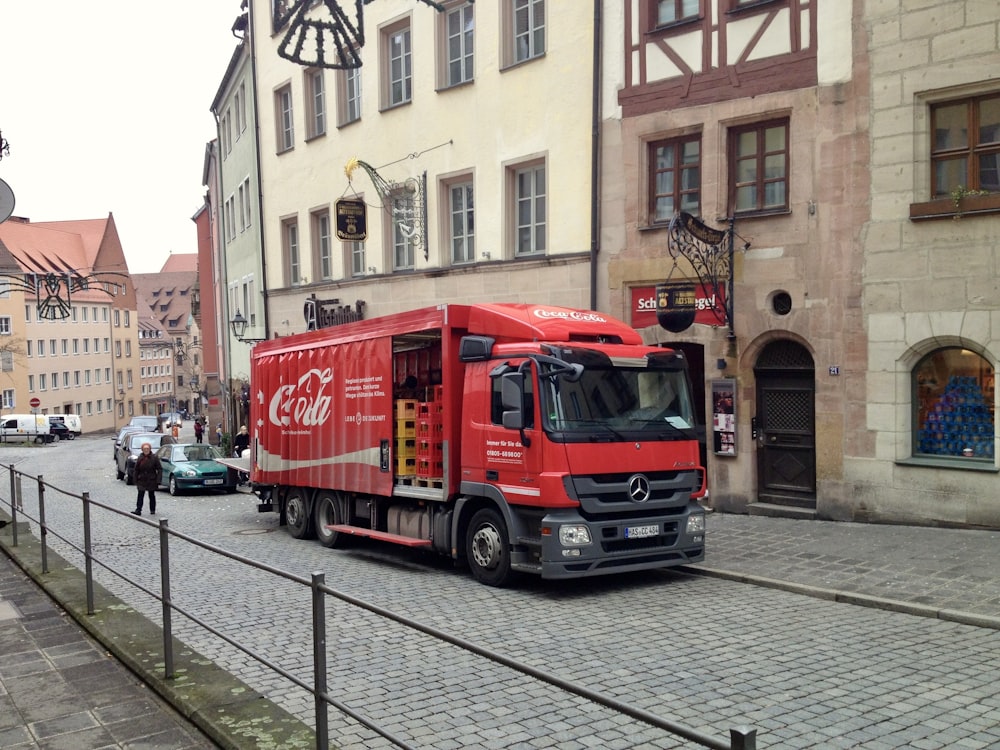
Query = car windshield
x=184 y=453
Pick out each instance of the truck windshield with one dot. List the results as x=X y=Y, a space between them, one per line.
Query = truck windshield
x=620 y=401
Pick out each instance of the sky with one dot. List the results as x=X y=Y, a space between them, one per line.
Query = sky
x=106 y=107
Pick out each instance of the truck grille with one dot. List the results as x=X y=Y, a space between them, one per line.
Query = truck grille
x=607 y=496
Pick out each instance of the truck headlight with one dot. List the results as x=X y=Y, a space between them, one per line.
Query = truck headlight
x=570 y=536
x=696 y=524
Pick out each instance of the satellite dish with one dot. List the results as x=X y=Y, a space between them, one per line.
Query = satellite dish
x=6 y=201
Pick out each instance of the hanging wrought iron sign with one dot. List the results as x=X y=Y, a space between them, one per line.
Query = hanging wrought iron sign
x=675 y=305
x=352 y=220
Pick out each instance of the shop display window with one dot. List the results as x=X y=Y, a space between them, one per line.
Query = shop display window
x=954 y=405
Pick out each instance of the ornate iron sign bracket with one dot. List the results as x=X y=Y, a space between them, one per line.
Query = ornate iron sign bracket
x=50 y=288
x=710 y=253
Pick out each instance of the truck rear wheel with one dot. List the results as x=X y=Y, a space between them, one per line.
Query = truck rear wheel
x=487 y=548
x=331 y=508
x=297 y=515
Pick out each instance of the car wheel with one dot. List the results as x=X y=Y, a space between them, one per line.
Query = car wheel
x=172 y=486
x=331 y=509
x=487 y=548
x=297 y=515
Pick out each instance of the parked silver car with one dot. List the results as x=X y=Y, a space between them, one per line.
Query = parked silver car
x=130 y=449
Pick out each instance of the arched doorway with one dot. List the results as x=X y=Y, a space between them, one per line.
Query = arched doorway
x=786 y=425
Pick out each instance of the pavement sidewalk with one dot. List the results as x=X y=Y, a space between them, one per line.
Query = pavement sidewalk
x=59 y=689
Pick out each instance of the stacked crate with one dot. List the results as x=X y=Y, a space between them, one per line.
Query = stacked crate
x=405 y=412
x=430 y=436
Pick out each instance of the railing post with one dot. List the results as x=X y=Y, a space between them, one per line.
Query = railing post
x=319 y=661
x=168 y=637
x=743 y=738
x=43 y=530
x=15 y=501
x=87 y=554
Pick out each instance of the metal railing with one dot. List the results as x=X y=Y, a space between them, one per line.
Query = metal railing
x=740 y=738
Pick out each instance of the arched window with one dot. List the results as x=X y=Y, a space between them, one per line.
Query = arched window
x=953 y=405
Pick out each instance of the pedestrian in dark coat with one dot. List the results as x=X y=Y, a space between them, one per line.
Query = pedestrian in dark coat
x=199 y=430
x=148 y=472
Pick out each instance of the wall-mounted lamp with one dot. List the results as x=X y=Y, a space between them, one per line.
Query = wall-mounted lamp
x=486 y=255
x=239 y=327
x=371 y=269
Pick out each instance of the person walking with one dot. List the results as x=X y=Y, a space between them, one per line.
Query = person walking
x=241 y=442
x=148 y=472
x=199 y=430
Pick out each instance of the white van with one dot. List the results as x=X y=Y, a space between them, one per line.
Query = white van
x=72 y=422
x=25 y=427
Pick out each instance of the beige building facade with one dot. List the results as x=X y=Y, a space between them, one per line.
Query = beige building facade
x=931 y=287
x=466 y=134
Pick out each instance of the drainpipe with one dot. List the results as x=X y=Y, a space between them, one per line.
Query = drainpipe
x=251 y=29
x=595 y=155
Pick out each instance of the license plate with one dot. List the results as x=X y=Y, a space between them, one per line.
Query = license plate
x=639 y=532
x=213 y=481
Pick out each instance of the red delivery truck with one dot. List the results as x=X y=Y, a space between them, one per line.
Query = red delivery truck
x=515 y=438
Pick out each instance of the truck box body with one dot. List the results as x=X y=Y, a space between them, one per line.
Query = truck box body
x=427 y=429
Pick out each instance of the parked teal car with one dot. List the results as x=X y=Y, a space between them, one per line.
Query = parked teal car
x=193 y=466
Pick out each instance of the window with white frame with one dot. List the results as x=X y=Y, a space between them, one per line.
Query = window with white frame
x=348 y=96
x=457 y=41
x=6 y=361
x=55 y=381
x=290 y=245
x=402 y=229
x=250 y=300
x=5 y=328
x=524 y=30
x=285 y=124
x=8 y=398
x=247 y=211
x=227 y=133
x=461 y=222
x=316 y=109
x=356 y=252
x=241 y=108
x=242 y=207
x=322 y=244
x=398 y=64
x=530 y=209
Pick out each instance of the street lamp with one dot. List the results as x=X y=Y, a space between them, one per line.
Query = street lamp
x=239 y=327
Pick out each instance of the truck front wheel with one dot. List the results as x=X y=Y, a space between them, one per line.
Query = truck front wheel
x=331 y=508
x=297 y=516
x=487 y=548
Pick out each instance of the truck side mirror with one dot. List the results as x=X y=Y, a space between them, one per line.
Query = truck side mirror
x=512 y=398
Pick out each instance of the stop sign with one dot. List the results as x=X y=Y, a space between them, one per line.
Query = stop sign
x=35 y=403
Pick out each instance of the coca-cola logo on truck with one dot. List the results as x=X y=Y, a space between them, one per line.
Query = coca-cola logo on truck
x=304 y=403
x=590 y=317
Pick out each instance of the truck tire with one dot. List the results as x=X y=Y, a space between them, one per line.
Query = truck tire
x=297 y=515
x=487 y=548
x=330 y=508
